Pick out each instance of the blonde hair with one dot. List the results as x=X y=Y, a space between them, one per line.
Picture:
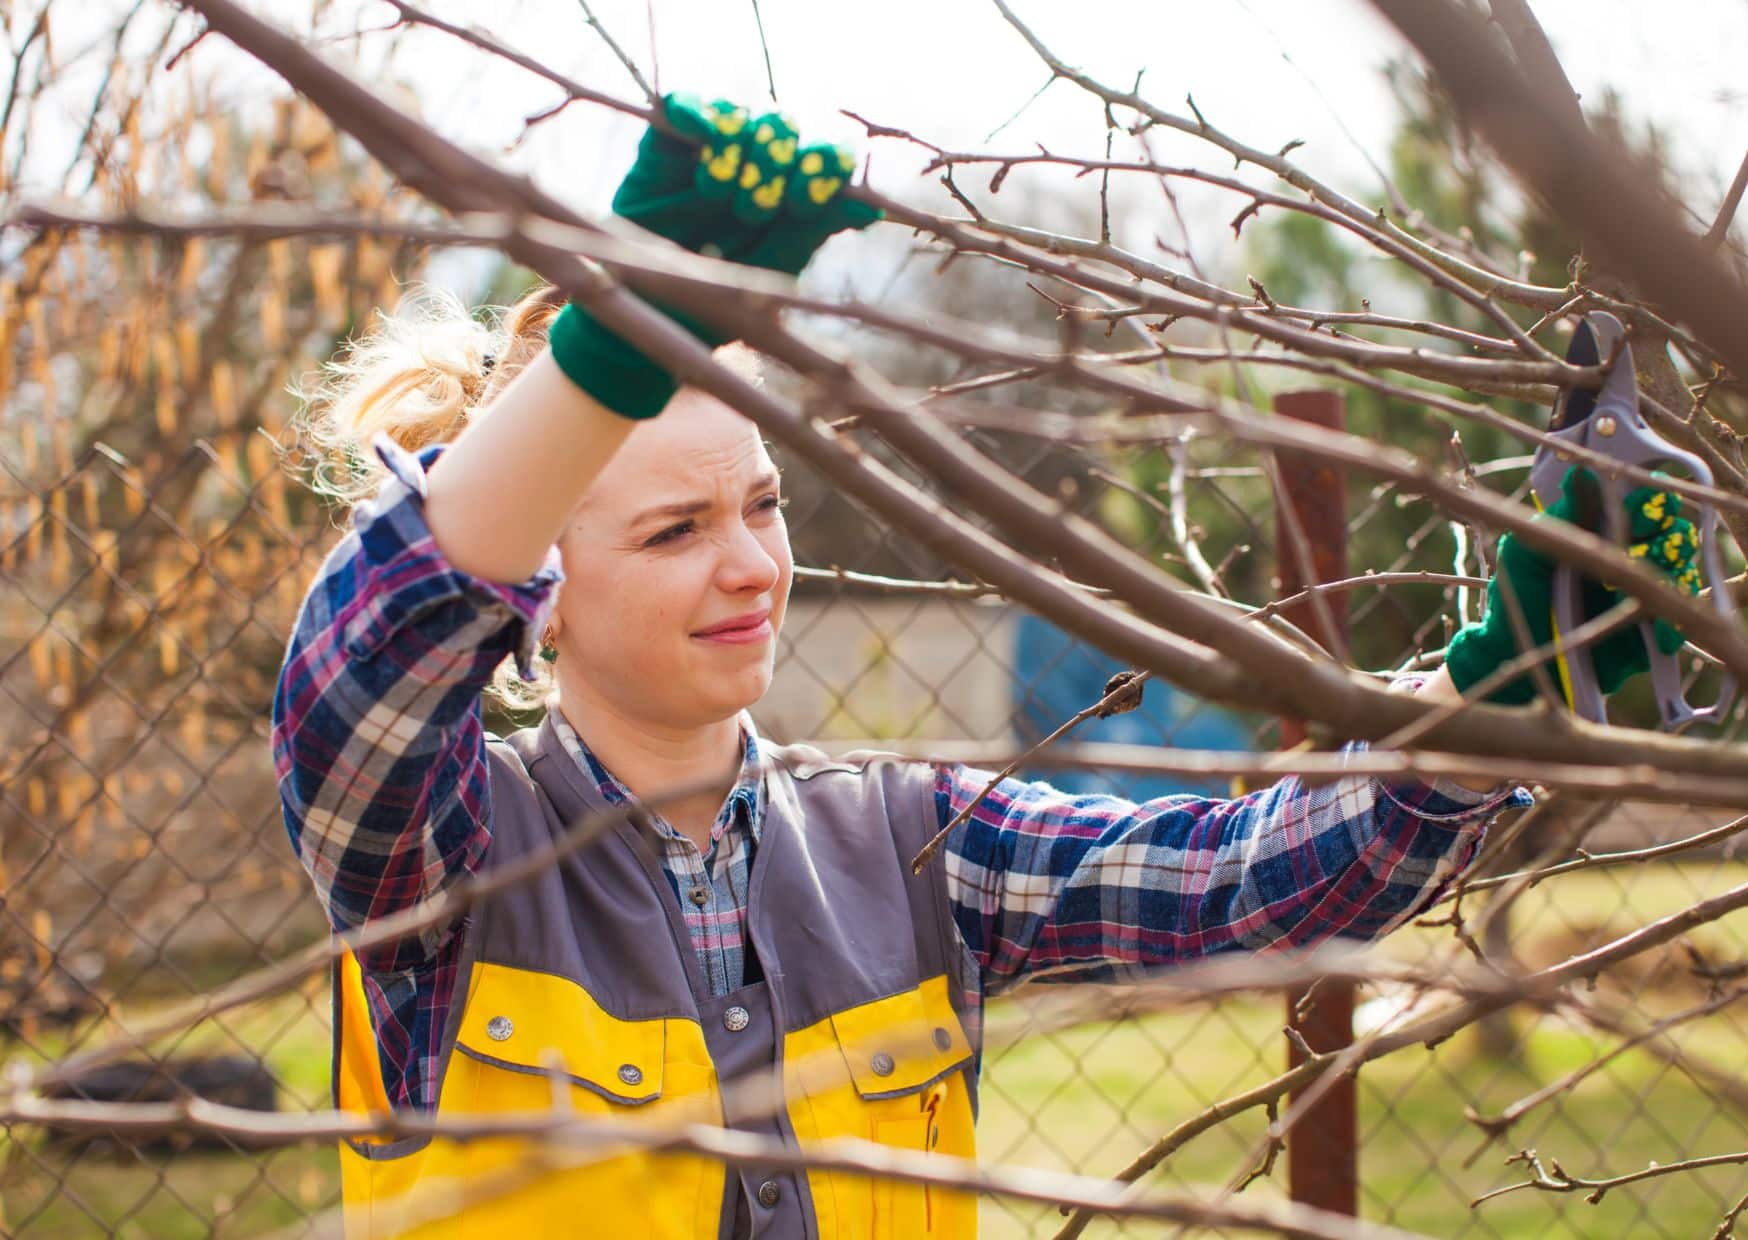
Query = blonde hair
x=417 y=376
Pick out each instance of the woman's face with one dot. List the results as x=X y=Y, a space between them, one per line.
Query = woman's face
x=681 y=535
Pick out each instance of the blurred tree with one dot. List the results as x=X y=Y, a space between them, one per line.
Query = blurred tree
x=155 y=548
x=1451 y=185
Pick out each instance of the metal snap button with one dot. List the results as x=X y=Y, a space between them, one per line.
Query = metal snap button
x=943 y=1039
x=499 y=1028
x=631 y=1074
x=882 y=1064
x=700 y=895
x=770 y=1193
x=736 y=1019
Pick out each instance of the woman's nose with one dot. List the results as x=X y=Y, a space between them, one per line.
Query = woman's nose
x=747 y=564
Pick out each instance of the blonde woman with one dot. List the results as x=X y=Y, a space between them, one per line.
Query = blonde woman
x=635 y=569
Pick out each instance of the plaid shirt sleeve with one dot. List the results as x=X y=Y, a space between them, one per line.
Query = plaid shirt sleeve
x=1088 y=886
x=378 y=743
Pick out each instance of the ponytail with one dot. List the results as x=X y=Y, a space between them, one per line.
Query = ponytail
x=417 y=376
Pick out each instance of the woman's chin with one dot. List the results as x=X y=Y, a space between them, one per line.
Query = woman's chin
x=728 y=696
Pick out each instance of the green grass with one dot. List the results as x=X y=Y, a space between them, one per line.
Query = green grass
x=1091 y=1099
x=1414 y=1136
x=1088 y=1099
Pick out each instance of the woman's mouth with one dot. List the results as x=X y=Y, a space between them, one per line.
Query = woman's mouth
x=747 y=630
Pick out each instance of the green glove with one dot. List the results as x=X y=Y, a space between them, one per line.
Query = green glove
x=730 y=185
x=1657 y=533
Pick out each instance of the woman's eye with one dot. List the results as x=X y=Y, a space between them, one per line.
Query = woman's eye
x=676 y=532
x=671 y=534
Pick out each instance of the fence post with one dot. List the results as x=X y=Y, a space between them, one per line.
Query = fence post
x=1323 y=1147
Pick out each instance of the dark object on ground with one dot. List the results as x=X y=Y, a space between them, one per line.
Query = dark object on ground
x=233 y=1080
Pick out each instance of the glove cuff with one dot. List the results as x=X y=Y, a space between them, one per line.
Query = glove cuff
x=608 y=367
x=1473 y=655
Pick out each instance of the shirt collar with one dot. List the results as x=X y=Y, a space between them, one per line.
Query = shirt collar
x=745 y=803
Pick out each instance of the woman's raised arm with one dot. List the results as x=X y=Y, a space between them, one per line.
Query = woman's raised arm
x=378 y=742
x=498 y=498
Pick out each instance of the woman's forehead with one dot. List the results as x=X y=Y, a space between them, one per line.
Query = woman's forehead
x=697 y=453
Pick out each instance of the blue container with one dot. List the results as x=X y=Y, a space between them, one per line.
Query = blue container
x=1058 y=675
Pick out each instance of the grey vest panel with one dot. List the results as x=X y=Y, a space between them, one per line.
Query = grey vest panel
x=834 y=914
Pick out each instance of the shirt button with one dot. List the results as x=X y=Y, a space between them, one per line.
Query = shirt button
x=700 y=895
x=499 y=1028
x=631 y=1074
x=736 y=1019
x=943 y=1039
x=882 y=1064
x=770 y=1193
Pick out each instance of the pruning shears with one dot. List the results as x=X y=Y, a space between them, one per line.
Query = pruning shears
x=1609 y=421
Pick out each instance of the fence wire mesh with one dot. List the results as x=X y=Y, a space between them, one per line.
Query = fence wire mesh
x=155 y=546
x=154 y=552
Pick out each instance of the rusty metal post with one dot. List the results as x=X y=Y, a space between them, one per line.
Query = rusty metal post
x=1323 y=1147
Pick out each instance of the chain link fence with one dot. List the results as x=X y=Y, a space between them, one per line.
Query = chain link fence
x=154 y=549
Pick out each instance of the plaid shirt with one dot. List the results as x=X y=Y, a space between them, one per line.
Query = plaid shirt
x=379 y=750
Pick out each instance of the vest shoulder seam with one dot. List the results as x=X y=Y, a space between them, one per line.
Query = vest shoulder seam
x=804 y=762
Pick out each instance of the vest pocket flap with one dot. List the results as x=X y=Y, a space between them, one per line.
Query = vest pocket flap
x=902 y=1043
x=538 y=1023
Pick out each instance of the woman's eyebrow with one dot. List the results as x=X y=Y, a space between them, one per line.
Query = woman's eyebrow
x=692 y=507
x=687 y=508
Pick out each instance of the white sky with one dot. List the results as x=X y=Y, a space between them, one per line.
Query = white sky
x=952 y=70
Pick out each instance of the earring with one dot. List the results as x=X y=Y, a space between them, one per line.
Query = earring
x=548 y=649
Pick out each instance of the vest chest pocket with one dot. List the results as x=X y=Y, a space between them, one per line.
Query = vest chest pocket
x=539 y=1025
x=904 y=1056
x=525 y=1035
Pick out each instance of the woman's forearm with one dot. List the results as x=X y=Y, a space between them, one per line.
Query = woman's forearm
x=1440 y=687
x=1046 y=883
x=501 y=493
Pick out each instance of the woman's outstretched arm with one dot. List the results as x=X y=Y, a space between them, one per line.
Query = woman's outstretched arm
x=1085 y=886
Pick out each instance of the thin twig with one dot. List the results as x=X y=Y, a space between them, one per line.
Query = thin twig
x=629 y=65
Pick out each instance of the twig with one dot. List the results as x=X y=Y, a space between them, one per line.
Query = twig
x=1021 y=110
x=592 y=1139
x=1429 y=1029
x=770 y=74
x=1552 y=1178
x=1726 y=213
x=1605 y=861
x=1117 y=694
x=630 y=66
x=1416 y=577
x=1727 y=1227
x=1590 y=182
x=1496 y=1126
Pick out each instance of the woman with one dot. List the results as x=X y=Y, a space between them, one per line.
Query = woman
x=769 y=920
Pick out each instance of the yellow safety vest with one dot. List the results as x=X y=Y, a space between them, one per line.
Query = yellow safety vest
x=897 y=1069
